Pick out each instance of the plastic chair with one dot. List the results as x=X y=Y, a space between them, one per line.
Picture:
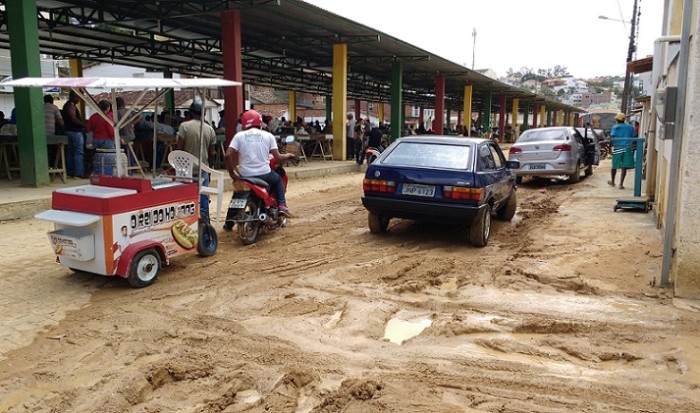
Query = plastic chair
x=184 y=162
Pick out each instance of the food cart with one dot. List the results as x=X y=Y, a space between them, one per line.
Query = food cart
x=121 y=225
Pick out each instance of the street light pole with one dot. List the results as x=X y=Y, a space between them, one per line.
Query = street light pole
x=627 y=90
x=473 y=47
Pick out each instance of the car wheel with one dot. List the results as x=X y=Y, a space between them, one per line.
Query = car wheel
x=518 y=180
x=507 y=211
x=378 y=224
x=144 y=268
x=576 y=176
x=589 y=170
x=480 y=228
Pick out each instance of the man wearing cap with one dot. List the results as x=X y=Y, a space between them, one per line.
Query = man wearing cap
x=623 y=150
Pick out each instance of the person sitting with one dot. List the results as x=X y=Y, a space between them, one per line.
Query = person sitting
x=250 y=151
x=53 y=121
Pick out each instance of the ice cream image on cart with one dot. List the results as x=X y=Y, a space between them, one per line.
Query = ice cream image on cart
x=121 y=225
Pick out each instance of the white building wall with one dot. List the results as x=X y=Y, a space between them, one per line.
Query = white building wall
x=685 y=270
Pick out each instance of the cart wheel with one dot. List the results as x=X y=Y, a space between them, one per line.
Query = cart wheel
x=208 y=240
x=144 y=268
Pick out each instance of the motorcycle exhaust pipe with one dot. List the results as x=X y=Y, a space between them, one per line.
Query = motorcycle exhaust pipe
x=265 y=219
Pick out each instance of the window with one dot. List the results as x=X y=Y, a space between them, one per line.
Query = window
x=497 y=157
x=486 y=161
x=429 y=155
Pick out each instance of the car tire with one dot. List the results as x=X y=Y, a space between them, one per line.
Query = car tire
x=576 y=176
x=518 y=180
x=589 y=170
x=378 y=224
x=507 y=211
x=480 y=229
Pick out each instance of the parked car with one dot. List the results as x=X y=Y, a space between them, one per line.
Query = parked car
x=555 y=151
x=455 y=180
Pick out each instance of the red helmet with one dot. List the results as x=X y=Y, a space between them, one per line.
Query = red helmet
x=251 y=119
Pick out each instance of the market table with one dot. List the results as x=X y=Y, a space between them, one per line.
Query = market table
x=9 y=155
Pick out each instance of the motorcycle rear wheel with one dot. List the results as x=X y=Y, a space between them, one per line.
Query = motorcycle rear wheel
x=249 y=228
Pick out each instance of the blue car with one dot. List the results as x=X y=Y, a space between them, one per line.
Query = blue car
x=455 y=180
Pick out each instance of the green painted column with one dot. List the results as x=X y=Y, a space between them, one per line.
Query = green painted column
x=29 y=104
x=170 y=95
x=486 y=122
x=526 y=118
x=329 y=109
x=396 y=100
x=549 y=117
x=448 y=118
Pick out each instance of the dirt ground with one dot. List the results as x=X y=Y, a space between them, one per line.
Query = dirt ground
x=558 y=313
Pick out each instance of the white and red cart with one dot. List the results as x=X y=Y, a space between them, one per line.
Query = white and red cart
x=120 y=225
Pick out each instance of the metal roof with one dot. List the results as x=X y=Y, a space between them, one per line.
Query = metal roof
x=286 y=44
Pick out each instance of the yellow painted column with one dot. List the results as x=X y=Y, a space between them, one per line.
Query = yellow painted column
x=381 y=113
x=76 y=70
x=467 y=109
x=543 y=116
x=292 y=106
x=560 y=115
x=340 y=100
x=516 y=107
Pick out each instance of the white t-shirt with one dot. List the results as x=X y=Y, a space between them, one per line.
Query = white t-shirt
x=254 y=146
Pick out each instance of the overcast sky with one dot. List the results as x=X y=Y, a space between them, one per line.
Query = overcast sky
x=514 y=33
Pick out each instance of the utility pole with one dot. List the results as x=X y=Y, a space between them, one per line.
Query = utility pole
x=627 y=90
x=473 y=47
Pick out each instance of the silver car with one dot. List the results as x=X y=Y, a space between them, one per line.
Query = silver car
x=554 y=151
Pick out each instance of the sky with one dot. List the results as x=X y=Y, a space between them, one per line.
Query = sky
x=536 y=34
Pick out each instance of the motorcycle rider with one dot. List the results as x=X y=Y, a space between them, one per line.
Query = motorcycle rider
x=250 y=151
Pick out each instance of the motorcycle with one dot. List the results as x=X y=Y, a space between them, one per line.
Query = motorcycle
x=253 y=209
x=371 y=153
x=605 y=148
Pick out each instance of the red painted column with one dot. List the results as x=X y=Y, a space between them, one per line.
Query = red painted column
x=555 y=121
x=439 y=105
x=233 y=69
x=358 y=105
x=421 y=116
x=535 y=113
x=502 y=118
x=459 y=117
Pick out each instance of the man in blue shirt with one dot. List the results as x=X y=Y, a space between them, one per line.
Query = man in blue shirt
x=623 y=151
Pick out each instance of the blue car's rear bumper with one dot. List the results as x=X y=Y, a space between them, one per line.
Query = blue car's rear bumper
x=420 y=210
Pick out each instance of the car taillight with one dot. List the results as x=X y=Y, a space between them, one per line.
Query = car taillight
x=514 y=150
x=563 y=148
x=377 y=185
x=460 y=192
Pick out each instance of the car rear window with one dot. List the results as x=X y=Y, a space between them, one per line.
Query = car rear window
x=429 y=155
x=542 y=135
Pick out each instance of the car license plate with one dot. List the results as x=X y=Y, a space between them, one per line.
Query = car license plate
x=418 y=190
x=538 y=166
x=237 y=203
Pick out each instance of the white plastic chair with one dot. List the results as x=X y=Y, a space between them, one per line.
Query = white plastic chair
x=184 y=163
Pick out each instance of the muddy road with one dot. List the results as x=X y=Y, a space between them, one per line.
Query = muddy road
x=557 y=314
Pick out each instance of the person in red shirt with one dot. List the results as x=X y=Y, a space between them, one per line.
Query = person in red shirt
x=102 y=131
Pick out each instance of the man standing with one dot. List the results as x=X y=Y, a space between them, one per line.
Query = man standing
x=250 y=152
x=623 y=150
x=198 y=138
x=52 y=116
x=127 y=131
x=350 y=137
x=74 y=130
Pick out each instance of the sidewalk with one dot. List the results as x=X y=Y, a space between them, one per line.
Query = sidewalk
x=18 y=202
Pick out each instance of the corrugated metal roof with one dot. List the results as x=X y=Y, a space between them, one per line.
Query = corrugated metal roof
x=286 y=44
